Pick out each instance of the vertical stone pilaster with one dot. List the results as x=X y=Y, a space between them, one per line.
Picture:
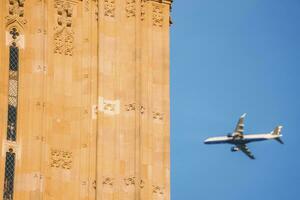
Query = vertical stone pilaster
x=155 y=97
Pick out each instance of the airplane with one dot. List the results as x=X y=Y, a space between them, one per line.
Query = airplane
x=240 y=141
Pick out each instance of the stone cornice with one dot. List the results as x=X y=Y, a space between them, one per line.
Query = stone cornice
x=162 y=1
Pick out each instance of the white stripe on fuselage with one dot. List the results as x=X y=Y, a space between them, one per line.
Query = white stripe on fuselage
x=217 y=139
x=260 y=136
x=224 y=139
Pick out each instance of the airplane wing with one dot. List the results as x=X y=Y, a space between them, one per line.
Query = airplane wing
x=246 y=150
x=239 y=129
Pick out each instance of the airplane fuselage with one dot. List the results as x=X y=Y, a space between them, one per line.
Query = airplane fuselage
x=238 y=140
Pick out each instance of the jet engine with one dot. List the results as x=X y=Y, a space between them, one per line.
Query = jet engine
x=229 y=135
x=234 y=149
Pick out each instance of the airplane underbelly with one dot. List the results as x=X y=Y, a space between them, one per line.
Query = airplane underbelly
x=255 y=139
x=216 y=142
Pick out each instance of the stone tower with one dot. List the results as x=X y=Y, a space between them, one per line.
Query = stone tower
x=84 y=100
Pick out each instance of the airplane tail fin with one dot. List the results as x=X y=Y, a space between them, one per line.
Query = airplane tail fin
x=277 y=132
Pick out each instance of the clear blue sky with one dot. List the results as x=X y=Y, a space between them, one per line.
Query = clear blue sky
x=231 y=57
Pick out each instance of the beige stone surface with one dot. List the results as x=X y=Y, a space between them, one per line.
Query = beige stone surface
x=93 y=118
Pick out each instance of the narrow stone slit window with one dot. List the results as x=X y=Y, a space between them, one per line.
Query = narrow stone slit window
x=9 y=175
x=12 y=93
x=13 y=58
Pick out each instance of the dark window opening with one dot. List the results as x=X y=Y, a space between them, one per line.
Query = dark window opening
x=12 y=93
x=13 y=58
x=8 y=189
x=9 y=175
x=11 y=123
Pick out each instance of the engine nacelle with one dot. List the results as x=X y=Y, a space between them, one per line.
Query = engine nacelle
x=234 y=149
x=229 y=135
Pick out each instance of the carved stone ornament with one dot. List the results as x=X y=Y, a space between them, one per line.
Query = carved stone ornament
x=86 y=5
x=142 y=184
x=130 y=181
x=109 y=107
x=143 y=10
x=158 y=190
x=10 y=146
x=130 y=8
x=96 y=10
x=142 y=109
x=15 y=38
x=64 y=34
x=130 y=107
x=16 y=12
x=157 y=15
x=108 y=181
x=61 y=159
x=158 y=116
x=109 y=8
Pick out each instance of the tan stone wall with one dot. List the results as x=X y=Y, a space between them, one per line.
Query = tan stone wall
x=93 y=101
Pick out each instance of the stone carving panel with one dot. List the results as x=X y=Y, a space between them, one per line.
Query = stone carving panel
x=130 y=181
x=130 y=107
x=130 y=8
x=158 y=190
x=109 y=107
x=143 y=10
x=157 y=15
x=16 y=11
x=109 y=8
x=142 y=109
x=135 y=107
x=158 y=116
x=96 y=10
x=61 y=159
x=64 y=34
x=108 y=181
x=86 y=5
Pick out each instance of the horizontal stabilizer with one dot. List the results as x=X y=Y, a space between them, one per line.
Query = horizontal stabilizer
x=279 y=140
